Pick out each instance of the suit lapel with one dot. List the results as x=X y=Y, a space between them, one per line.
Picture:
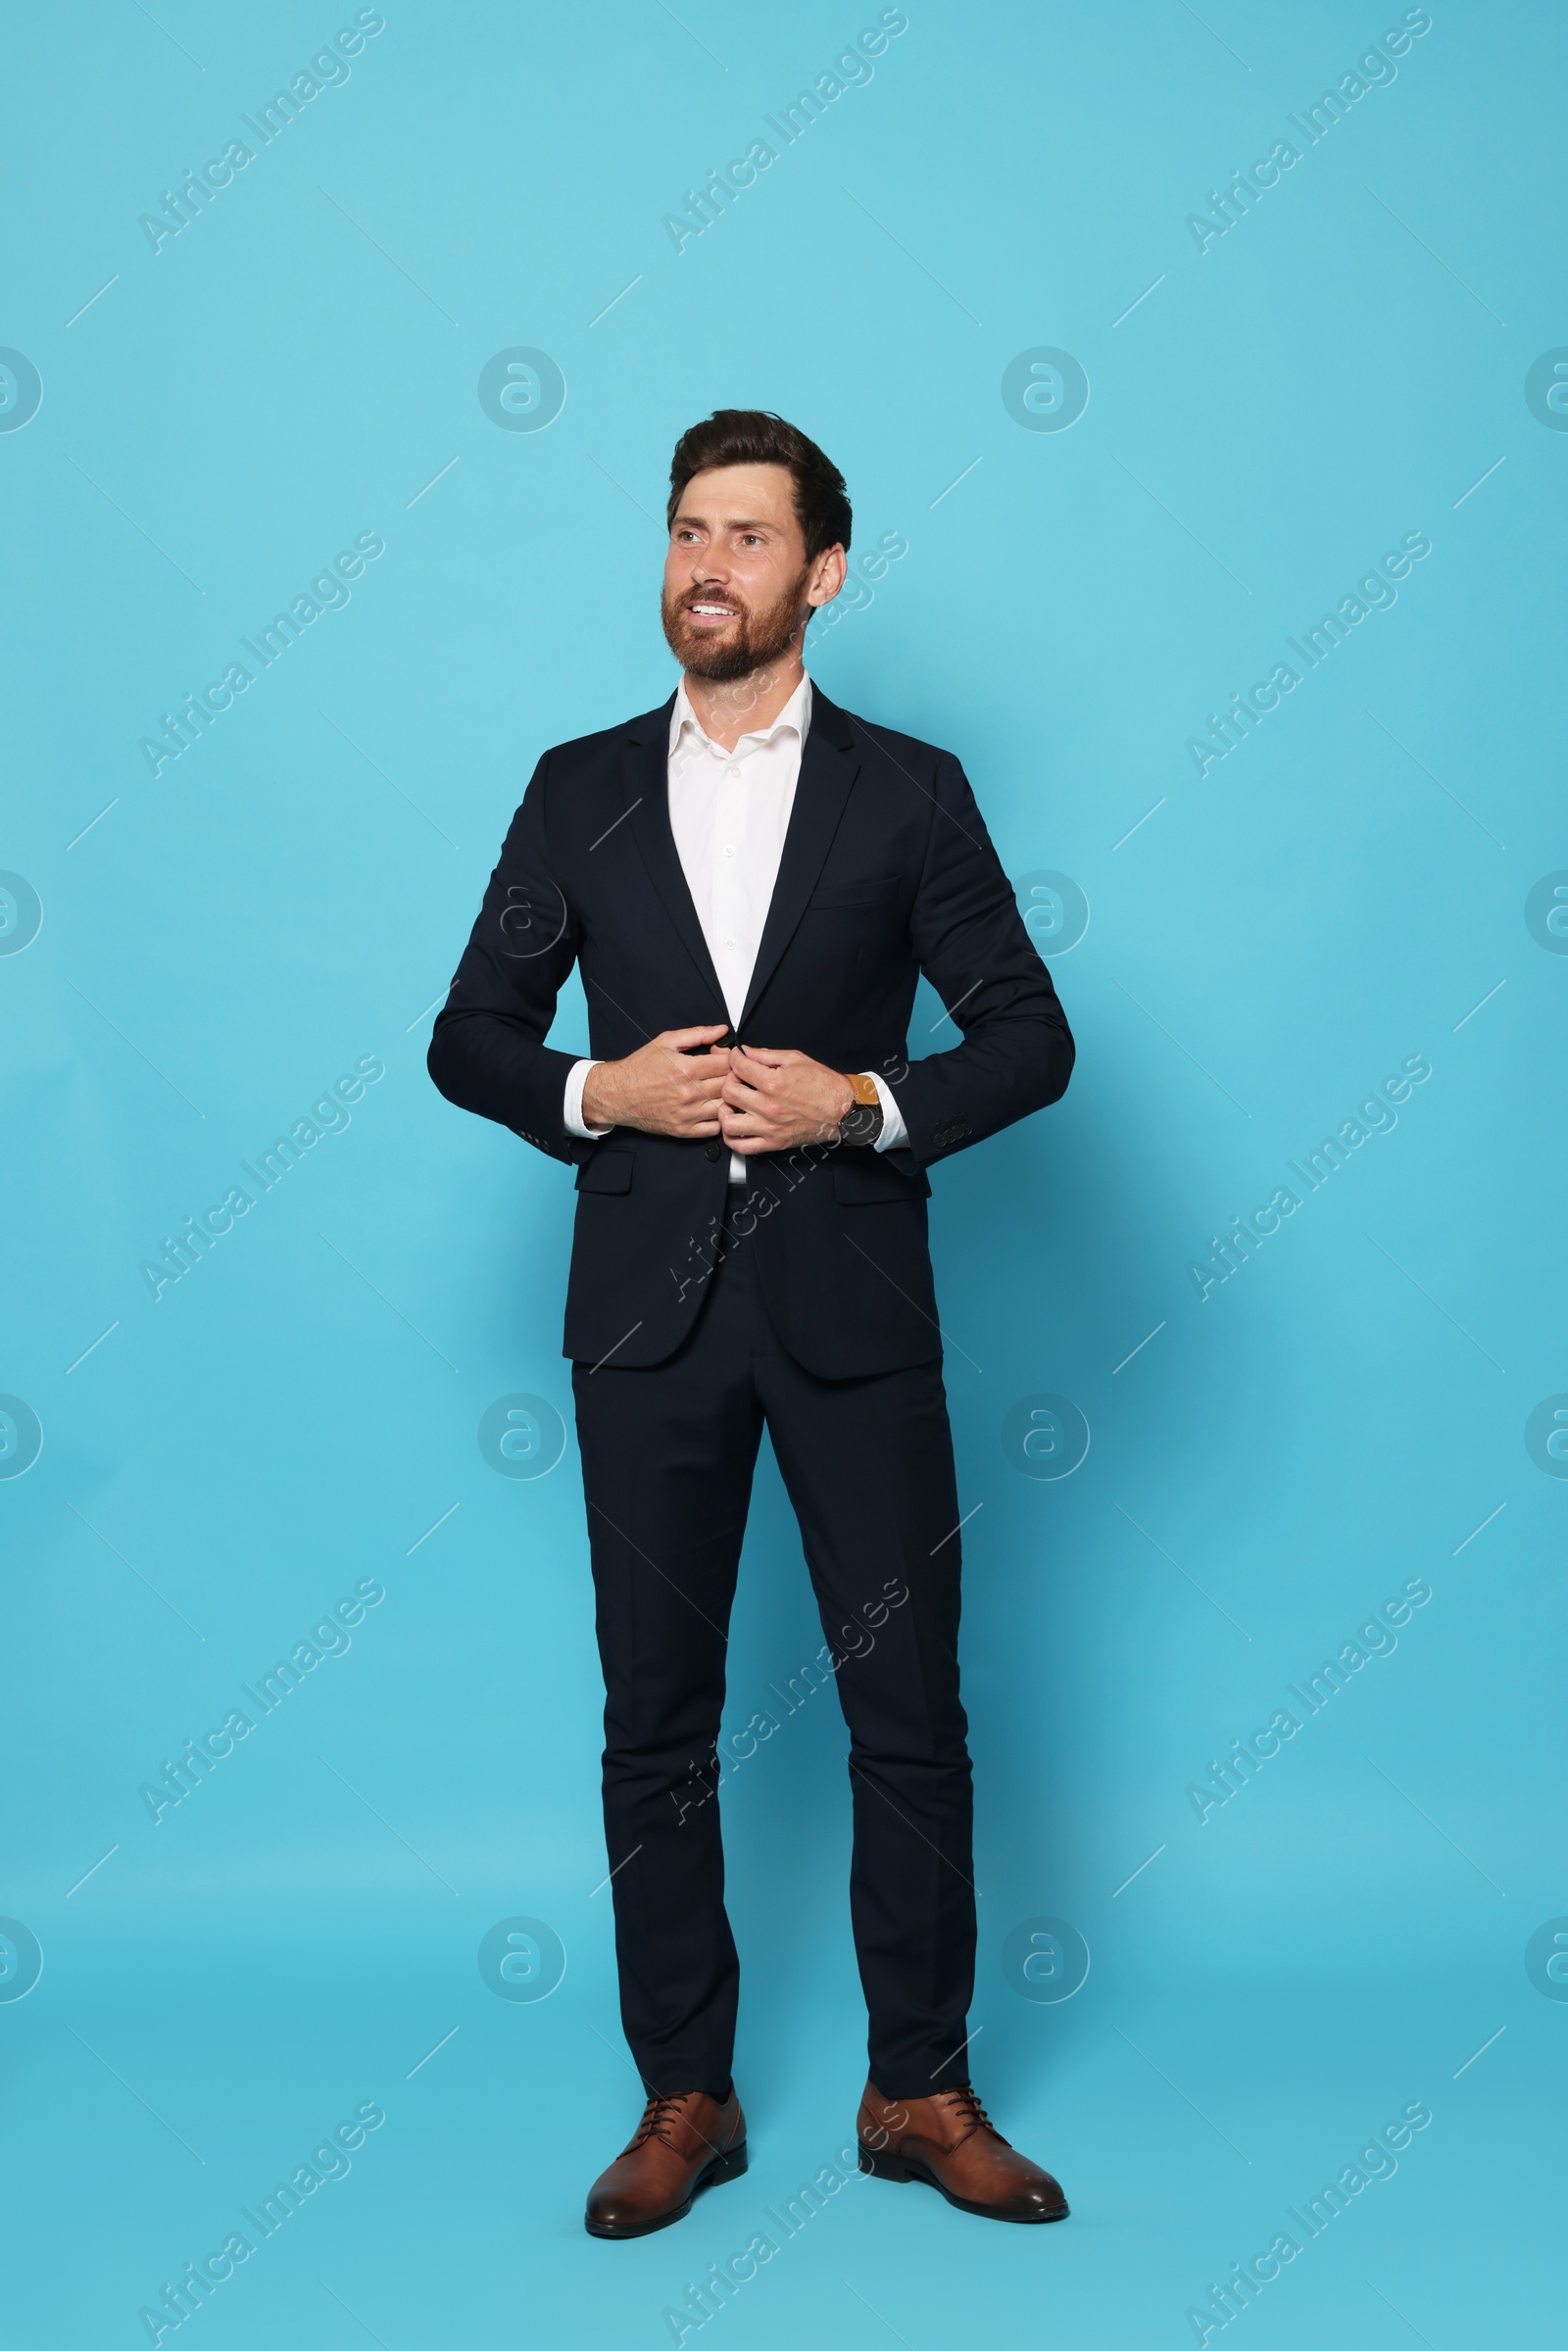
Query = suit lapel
x=828 y=769
x=645 y=775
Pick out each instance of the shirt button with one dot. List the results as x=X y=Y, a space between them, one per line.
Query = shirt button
x=729 y=849
x=734 y=774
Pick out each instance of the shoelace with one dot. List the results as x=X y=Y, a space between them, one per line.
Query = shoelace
x=657 y=2114
x=968 y=2109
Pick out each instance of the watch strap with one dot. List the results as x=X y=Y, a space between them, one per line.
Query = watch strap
x=863 y=1121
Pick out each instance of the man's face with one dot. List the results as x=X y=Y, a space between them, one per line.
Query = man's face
x=738 y=589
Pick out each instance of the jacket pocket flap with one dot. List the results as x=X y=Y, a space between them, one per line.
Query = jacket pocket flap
x=873 y=1178
x=874 y=892
x=606 y=1171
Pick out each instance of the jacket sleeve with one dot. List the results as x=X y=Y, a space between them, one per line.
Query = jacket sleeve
x=1016 y=1052
x=488 y=1052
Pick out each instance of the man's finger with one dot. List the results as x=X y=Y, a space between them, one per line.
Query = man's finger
x=682 y=1040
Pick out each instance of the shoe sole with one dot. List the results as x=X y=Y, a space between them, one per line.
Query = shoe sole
x=729 y=2166
x=881 y=2166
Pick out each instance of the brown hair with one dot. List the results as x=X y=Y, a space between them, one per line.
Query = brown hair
x=754 y=436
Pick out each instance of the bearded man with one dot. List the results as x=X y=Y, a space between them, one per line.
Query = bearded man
x=752 y=881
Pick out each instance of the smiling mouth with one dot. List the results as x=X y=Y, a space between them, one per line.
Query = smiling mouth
x=713 y=611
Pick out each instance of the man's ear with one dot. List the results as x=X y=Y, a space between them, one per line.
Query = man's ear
x=828 y=577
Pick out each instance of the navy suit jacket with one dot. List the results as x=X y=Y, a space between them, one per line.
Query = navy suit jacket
x=887 y=873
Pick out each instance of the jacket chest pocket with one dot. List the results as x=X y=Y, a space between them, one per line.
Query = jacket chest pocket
x=835 y=897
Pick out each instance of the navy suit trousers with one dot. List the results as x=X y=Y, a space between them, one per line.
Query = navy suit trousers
x=668 y=1454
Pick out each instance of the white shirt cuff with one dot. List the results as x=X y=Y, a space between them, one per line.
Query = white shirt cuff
x=894 y=1131
x=576 y=1078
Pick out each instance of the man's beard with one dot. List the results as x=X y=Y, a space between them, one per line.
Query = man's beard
x=756 y=639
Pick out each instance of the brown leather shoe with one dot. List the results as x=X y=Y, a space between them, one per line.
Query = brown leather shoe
x=950 y=2143
x=681 y=2145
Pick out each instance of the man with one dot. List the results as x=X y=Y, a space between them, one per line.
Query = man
x=751 y=880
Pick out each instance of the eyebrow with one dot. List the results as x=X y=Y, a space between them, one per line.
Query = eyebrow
x=731 y=523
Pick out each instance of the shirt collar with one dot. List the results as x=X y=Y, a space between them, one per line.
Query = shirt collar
x=796 y=714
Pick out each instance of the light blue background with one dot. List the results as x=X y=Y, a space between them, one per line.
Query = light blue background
x=292 y=893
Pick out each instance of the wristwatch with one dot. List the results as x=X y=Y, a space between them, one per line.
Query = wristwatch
x=862 y=1122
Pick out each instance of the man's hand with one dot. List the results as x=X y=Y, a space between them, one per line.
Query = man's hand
x=670 y=1086
x=773 y=1101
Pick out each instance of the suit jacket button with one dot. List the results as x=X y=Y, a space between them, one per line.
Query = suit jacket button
x=710 y=1150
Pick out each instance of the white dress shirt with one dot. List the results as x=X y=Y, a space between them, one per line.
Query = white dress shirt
x=729 y=811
